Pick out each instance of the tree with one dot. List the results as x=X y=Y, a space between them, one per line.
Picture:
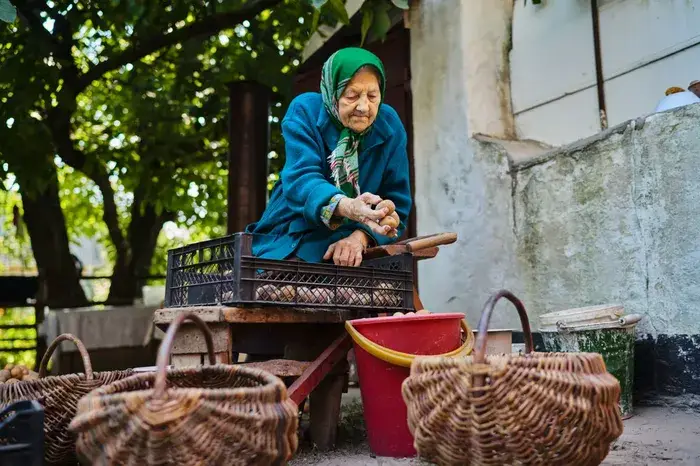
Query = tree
x=62 y=55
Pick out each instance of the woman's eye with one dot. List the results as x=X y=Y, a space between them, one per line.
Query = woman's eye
x=351 y=96
x=373 y=97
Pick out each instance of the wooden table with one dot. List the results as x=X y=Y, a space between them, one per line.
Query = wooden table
x=306 y=347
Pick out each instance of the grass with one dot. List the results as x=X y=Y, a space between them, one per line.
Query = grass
x=351 y=427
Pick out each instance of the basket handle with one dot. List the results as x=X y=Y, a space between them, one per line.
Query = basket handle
x=81 y=349
x=167 y=345
x=480 y=346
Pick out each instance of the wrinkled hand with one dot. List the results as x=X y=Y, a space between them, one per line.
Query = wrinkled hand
x=360 y=210
x=348 y=251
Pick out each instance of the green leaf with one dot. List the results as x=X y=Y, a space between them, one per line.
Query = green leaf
x=7 y=11
x=403 y=4
x=367 y=20
x=382 y=22
x=318 y=3
x=315 y=19
x=338 y=9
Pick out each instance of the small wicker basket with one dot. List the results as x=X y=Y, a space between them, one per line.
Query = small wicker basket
x=59 y=395
x=211 y=415
x=535 y=409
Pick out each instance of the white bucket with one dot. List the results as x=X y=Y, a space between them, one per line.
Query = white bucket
x=597 y=329
x=582 y=318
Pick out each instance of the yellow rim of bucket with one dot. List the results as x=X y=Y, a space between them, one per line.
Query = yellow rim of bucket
x=404 y=359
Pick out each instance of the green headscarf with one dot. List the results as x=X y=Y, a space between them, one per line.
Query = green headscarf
x=337 y=73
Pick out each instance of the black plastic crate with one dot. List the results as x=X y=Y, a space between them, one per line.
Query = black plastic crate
x=223 y=271
x=22 y=434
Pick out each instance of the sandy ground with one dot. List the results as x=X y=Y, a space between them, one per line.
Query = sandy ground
x=654 y=436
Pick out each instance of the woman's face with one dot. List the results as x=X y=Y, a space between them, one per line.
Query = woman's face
x=359 y=104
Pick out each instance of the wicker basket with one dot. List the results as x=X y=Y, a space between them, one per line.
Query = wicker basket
x=211 y=415
x=59 y=396
x=537 y=408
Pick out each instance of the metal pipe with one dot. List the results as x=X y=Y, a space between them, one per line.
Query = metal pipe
x=600 y=80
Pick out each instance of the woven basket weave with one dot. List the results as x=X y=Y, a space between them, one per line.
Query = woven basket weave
x=59 y=395
x=211 y=415
x=534 y=409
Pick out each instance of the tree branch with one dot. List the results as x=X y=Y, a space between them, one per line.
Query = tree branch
x=205 y=27
x=62 y=50
x=58 y=122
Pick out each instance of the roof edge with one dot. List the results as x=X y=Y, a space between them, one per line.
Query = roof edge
x=317 y=39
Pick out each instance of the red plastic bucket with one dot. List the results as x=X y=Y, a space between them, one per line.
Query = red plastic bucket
x=380 y=382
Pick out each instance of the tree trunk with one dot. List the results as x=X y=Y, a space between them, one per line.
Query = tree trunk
x=49 y=238
x=135 y=263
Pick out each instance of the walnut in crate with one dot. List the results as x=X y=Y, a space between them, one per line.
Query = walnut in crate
x=314 y=295
x=344 y=295
x=361 y=299
x=385 y=295
x=269 y=292
x=352 y=296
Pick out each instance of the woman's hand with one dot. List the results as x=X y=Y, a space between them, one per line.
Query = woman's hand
x=348 y=251
x=360 y=210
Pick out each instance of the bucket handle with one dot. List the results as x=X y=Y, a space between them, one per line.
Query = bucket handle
x=400 y=359
x=84 y=355
x=167 y=345
x=480 y=346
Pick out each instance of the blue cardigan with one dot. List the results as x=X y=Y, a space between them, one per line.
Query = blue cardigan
x=292 y=224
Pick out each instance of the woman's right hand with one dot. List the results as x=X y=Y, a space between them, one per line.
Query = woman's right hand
x=360 y=210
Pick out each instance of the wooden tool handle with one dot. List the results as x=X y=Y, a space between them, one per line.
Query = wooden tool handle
x=430 y=241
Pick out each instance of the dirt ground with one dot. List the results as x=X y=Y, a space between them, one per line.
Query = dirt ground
x=654 y=436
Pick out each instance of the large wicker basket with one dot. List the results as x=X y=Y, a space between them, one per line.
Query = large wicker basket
x=207 y=415
x=534 y=409
x=59 y=395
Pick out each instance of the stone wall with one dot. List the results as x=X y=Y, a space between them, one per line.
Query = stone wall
x=610 y=219
x=613 y=218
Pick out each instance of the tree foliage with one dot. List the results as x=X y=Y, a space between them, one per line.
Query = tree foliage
x=376 y=20
x=123 y=105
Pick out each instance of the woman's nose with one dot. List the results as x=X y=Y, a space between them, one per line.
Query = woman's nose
x=362 y=104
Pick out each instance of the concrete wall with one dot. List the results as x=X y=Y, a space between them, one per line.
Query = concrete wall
x=610 y=219
x=646 y=47
x=455 y=188
x=615 y=219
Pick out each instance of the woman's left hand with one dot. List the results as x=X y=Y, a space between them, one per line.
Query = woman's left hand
x=348 y=251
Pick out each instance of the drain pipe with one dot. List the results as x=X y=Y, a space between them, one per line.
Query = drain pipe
x=600 y=81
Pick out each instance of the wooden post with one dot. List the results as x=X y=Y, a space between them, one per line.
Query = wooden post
x=249 y=138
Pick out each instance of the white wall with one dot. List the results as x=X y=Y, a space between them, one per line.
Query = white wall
x=456 y=190
x=646 y=47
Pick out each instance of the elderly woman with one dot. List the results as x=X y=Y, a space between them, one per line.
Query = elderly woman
x=346 y=153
